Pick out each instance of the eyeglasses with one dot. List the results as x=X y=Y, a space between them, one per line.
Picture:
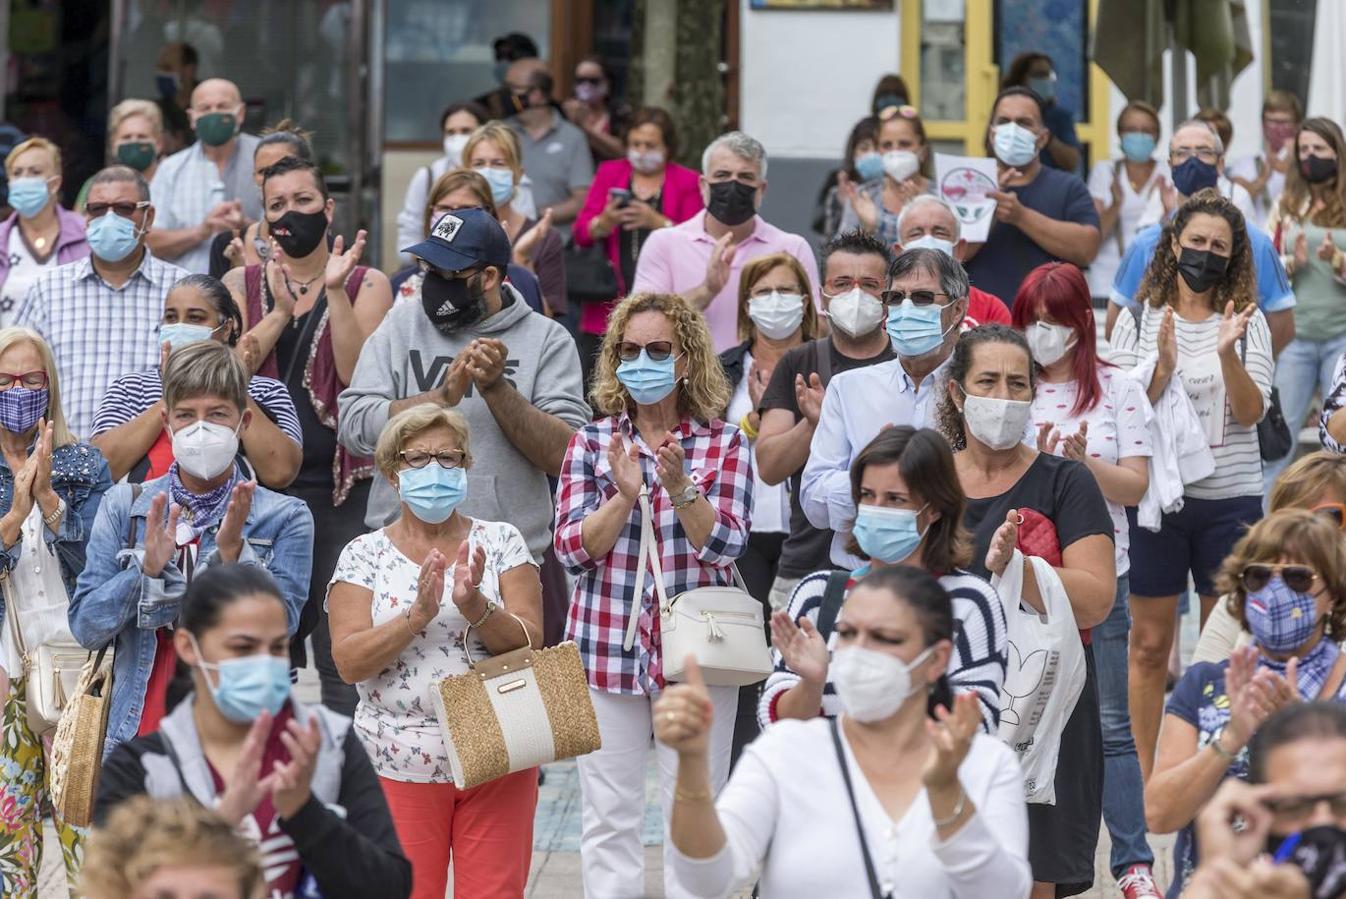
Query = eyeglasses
x=445 y=458
x=1293 y=810
x=596 y=80
x=1335 y=511
x=840 y=285
x=918 y=297
x=1298 y=578
x=33 y=380
x=125 y=210
x=657 y=350
x=1205 y=154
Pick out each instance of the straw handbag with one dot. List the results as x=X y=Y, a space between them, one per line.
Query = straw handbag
x=515 y=711
x=77 y=748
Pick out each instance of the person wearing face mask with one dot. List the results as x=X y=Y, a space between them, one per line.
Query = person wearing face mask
x=52 y=486
x=1088 y=410
x=1303 y=221
x=553 y=152
x=1042 y=214
x=701 y=258
x=1201 y=325
x=1265 y=174
x=506 y=49
x=151 y=540
x=629 y=200
x=897 y=523
x=128 y=428
x=436 y=583
x=660 y=390
x=987 y=404
x=41 y=234
x=1036 y=71
x=861 y=162
x=253 y=244
x=901 y=794
x=904 y=153
x=174 y=80
x=98 y=314
x=595 y=110
x=135 y=130
x=1286 y=584
x=925 y=303
x=293 y=779
x=928 y=222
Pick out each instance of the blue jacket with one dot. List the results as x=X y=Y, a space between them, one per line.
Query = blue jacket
x=79 y=476
x=115 y=601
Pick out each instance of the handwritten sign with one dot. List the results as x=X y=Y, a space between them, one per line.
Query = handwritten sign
x=964 y=182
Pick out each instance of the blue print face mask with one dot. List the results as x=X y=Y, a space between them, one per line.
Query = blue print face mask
x=1281 y=620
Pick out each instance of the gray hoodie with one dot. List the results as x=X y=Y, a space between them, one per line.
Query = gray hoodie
x=408 y=355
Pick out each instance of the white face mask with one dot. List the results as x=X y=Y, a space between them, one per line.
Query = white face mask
x=872 y=685
x=777 y=315
x=204 y=449
x=453 y=148
x=1048 y=342
x=930 y=242
x=997 y=423
x=855 y=312
x=900 y=164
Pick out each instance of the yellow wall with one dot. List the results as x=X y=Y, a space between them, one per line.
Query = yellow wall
x=398 y=167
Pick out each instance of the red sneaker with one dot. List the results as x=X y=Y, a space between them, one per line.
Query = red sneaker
x=1137 y=882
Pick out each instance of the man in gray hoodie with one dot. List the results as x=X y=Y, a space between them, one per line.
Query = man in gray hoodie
x=473 y=344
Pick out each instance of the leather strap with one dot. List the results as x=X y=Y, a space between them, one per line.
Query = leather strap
x=873 y=878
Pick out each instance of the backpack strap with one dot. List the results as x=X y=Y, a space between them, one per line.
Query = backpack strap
x=131 y=519
x=834 y=594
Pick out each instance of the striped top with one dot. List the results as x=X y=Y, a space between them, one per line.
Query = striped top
x=1238 y=458
x=979 y=645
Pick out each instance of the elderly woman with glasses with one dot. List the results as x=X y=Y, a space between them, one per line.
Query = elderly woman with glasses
x=1286 y=585
x=416 y=602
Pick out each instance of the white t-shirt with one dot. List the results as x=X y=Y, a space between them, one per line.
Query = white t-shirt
x=396 y=715
x=1104 y=267
x=1117 y=430
x=36 y=590
x=1247 y=167
x=770 y=502
x=23 y=271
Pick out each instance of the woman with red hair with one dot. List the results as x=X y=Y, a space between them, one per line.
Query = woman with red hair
x=1089 y=410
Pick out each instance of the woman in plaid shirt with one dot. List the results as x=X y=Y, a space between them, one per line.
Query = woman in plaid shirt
x=660 y=385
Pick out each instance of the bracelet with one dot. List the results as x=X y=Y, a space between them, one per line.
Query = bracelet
x=705 y=795
x=406 y=616
x=1220 y=750
x=745 y=425
x=957 y=810
x=51 y=520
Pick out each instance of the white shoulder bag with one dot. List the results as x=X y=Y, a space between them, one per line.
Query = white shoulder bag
x=722 y=627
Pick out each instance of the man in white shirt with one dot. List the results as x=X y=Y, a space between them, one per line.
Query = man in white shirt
x=1263 y=174
x=926 y=300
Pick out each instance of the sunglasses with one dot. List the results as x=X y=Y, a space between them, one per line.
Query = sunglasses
x=125 y=210
x=658 y=350
x=1292 y=810
x=1335 y=511
x=918 y=297
x=1298 y=578
x=905 y=111
x=445 y=458
x=594 y=81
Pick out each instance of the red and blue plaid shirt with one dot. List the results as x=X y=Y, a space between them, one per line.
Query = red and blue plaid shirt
x=718 y=463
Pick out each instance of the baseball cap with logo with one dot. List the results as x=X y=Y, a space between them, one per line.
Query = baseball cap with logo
x=463 y=239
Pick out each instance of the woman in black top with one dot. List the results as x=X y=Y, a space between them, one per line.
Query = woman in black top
x=1010 y=485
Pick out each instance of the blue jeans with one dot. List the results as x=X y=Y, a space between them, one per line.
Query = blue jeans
x=1304 y=366
x=1123 y=790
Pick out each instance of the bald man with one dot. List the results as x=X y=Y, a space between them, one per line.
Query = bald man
x=208 y=187
x=556 y=155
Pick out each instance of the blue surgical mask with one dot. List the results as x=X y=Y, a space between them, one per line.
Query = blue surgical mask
x=1192 y=175
x=1137 y=146
x=432 y=492
x=501 y=181
x=916 y=330
x=889 y=535
x=1044 y=87
x=1014 y=144
x=181 y=333
x=869 y=166
x=648 y=381
x=28 y=196
x=111 y=237
x=248 y=686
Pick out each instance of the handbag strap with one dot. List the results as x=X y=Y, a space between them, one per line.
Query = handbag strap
x=834 y=594
x=873 y=878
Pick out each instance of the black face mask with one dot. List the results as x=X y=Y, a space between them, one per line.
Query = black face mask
x=1201 y=269
x=1321 y=855
x=1317 y=169
x=452 y=303
x=299 y=233
x=732 y=202
x=513 y=103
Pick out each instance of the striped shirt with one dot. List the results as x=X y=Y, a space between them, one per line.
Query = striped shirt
x=1238 y=457
x=97 y=332
x=979 y=645
x=130 y=395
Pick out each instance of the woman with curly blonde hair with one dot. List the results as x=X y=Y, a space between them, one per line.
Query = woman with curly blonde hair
x=1199 y=331
x=661 y=389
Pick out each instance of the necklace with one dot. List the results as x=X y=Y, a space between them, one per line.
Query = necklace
x=303 y=285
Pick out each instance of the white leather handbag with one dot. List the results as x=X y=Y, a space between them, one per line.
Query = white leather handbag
x=722 y=627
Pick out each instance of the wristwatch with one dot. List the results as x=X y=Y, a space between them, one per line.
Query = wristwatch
x=491 y=606
x=685 y=497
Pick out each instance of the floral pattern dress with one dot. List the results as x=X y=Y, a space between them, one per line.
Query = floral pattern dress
x=395 y=717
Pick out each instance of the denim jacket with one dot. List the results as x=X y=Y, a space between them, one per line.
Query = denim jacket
x=79 y=476
x=115 y=602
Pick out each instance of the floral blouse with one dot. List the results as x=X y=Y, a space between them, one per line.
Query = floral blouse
x=396 y=715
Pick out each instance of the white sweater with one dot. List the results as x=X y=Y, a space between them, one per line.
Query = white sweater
x=785 y=809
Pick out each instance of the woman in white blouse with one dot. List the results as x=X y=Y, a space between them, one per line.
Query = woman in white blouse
x=1123 y=190
x=899 y=793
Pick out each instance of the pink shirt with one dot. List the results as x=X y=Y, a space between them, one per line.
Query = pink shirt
x=674 y=260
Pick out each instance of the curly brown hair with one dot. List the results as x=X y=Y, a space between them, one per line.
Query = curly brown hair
x=1159 y=287
x=705 y=392
x=1301 y=536
x=1297 y=194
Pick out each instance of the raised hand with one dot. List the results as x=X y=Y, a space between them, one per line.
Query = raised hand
x=951 y=738
x=249 y=352
x=809 y=397
x=626 y=472
x=467 y=572
x=1003 y=543
x=22 y=504
x=161 y=538
x=669 y=467
x=1075 y=446
x=1233 y=326
x=229 y=537
x=245 y=787
x=1167 y=343
x=1169 y=195
x=683 y=714
x=526 y=247
x=1008 y=209
x=456 y=379
x=341 y=264
x=1301 y=253
x=801 y=647
x=758 y=377
x=290 y=781
x=1048 y=438
x=234 y=251
x=486 y=362
x=41 y=461
x=1235 y=801
x=429 y=591
x=720 y=264
x=866 y=210
x=1327 y=249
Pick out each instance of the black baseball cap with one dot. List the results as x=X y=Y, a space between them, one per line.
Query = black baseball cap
x=463 y=239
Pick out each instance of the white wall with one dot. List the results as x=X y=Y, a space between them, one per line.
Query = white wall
x=807 y=77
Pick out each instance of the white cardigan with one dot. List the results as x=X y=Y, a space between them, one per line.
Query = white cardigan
x=785 y=810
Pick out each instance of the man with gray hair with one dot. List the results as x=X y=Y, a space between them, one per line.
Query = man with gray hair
x=926 y=300
x=701 y=258
x=101 y=315
x=927 y=222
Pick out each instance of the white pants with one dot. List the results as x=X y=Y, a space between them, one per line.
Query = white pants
x=612 y=785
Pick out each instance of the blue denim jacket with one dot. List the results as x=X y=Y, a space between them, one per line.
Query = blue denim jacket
x=115 y=601
x=80 y=477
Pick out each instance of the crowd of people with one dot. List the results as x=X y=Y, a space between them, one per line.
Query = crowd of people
x=594 y=379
